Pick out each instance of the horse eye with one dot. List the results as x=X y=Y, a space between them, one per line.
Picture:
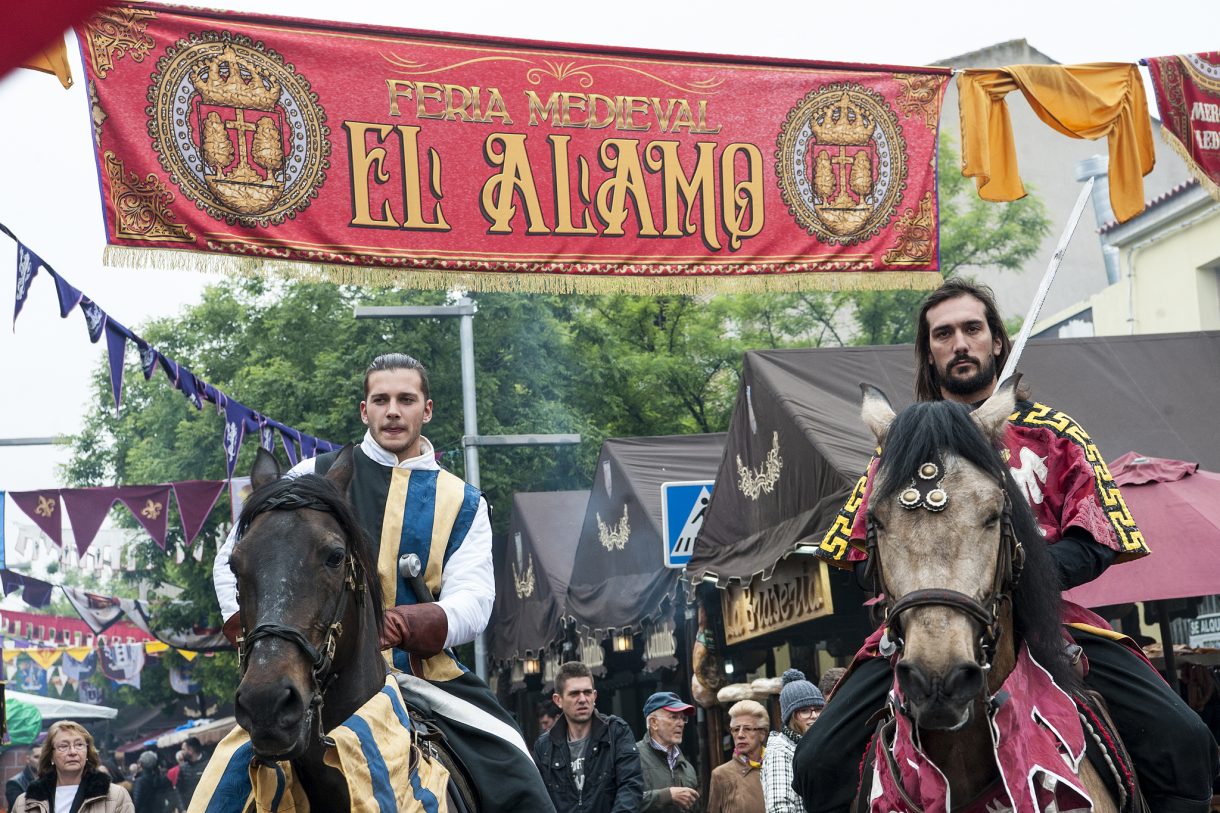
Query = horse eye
x=991 y=521
x=877 y=523
x=336 y=558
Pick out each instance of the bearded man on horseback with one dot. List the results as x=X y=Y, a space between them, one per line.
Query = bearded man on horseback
x=961 y=345
x=409 y=506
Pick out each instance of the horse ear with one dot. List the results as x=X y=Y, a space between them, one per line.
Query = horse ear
x=266 y=469
x=876 y=412
x=340 y=472
x=992 y=415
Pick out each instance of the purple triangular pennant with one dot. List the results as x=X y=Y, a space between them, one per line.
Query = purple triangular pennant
x=69 y=297
x=290 y=448
x=116 y=349
x=188 y=383
x=95 y=318
x=148 y=357
x=36 y=592
x=266 y=434
x=28 y=264
x=236 y=416
x=150 y=506
x=170 y=367
x=10 y=581
x=44 y=508
x=87 y=509
x=195 y=501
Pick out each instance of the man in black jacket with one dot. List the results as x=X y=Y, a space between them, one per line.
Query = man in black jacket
x=588 y=760
x=18 y=784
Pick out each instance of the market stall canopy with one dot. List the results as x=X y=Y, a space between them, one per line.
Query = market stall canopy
x=620 y=578
x=1177 y=507
x=209 y=732
x=52 y=709
x=532 y=571
x=796 y=444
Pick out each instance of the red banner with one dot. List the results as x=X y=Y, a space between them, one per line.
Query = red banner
x=377 y=155
x=1188 y=95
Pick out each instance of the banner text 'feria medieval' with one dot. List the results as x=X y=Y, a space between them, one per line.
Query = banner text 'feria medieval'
x=384 y=156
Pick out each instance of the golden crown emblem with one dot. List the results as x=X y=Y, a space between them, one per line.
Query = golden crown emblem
x=841 y=122
x=230 y=81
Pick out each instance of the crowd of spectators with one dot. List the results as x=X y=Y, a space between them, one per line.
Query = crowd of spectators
x=592 y=763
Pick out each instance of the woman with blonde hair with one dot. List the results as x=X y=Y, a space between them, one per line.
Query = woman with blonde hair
x=70 y=779
x=736 y=785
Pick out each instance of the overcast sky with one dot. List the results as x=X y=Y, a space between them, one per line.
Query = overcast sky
x=48 y=178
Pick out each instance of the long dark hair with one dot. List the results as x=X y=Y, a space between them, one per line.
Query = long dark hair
x=312 y=491
x=926 y=386
x=932 y=429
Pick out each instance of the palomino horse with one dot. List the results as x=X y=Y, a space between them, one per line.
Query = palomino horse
x=311 y=609
x=967 y=580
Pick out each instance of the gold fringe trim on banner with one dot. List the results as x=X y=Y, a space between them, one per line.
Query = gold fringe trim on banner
x=1177 y=146
x=153 y=259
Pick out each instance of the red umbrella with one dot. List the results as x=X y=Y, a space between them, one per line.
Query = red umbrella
x=1177 y=507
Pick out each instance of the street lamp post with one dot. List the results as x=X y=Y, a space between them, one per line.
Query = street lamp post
x=471 y=439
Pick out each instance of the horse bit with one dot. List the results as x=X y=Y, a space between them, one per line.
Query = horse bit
x=321 y=659
x=926 y=492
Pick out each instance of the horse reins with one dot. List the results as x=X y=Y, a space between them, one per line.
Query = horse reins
x=320 y=658
x=1007 y=575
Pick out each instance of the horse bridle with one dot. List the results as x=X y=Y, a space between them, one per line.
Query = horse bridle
x=320 y=658
x=986 y=613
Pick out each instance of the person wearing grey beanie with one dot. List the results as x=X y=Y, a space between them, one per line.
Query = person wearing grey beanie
x=800 y=703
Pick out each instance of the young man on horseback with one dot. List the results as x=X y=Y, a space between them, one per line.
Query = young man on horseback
x=960 y=347
x=408 y=505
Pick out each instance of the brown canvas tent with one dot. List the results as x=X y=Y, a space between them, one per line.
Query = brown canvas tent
x=532 y=572
x=620 y=579
x=796 y=444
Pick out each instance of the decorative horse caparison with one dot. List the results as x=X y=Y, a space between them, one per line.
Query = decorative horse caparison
x=966 y=578
x=311 y=609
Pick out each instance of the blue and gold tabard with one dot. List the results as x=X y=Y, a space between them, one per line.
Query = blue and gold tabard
x=427 y=512
x=373 y=750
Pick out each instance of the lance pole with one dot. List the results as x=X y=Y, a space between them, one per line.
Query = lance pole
x=1044 y=287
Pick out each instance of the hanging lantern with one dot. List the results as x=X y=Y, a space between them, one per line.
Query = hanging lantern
x=623 y=641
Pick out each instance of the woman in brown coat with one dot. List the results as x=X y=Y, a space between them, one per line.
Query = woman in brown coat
x=69 y=777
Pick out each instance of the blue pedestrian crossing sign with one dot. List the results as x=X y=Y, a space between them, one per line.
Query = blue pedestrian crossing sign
x=683 y=507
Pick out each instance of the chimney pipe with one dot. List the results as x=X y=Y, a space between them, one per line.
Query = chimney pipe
x=1097 y=167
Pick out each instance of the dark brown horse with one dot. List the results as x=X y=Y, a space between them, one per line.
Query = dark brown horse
x=311 y=609
x=966 y=578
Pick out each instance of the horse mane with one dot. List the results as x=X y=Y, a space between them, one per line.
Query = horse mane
x=929 y=430
x=300 y=492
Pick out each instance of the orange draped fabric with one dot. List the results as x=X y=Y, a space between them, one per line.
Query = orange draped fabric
x=1081 y=101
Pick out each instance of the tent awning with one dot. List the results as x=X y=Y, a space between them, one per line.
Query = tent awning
x=52 y=709
x=532 y=571
x=620 y=578
x=208 y=733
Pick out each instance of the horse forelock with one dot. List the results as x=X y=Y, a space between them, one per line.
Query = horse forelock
x=318 y=493
x=942 y=431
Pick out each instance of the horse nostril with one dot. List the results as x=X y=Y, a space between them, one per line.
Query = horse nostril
x=913 y=681
x=963 y=681
x=289 y=708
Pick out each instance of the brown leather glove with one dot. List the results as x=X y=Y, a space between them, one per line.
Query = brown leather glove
x=418 y=628
x=232 y=628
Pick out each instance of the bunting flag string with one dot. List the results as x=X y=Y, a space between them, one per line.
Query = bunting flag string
x=86 y=508
x=239 y=419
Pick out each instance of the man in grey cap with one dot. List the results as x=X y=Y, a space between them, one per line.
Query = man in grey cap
x=670 y=781
x=800 y=703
